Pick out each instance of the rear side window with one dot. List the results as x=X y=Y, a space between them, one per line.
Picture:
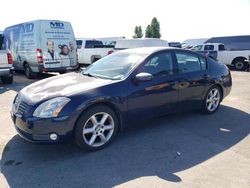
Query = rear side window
x=79 y=44
x=209 y=47
x=221 y=47
x=190 y=63
x=93 y=44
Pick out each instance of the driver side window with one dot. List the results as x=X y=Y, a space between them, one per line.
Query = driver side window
x=159 y=65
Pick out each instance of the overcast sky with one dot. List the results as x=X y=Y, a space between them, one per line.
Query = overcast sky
x=179 y=19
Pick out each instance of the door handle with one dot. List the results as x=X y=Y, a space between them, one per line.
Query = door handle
x=206 y=76
x=173 y=82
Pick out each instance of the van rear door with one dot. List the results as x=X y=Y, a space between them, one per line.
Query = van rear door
x=58 y=44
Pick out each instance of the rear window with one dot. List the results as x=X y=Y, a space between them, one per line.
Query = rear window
x=1 y=42
x=93 y=44
x=79 y=44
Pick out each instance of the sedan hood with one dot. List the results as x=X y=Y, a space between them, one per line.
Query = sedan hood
x=63 y=85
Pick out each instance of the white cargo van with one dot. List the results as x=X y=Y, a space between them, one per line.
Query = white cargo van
x=41 y=46
x=137 y=43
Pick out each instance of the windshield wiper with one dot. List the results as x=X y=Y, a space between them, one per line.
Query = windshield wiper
x=89 y=75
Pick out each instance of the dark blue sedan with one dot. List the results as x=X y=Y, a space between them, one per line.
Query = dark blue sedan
x=93 y=105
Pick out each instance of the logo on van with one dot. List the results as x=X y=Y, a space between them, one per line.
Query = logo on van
x=27 y=28
x=57 y=25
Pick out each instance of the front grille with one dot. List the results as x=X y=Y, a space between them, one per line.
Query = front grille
x=23 y=108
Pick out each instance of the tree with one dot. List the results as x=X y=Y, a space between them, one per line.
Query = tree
x=148 y=32
x=155 y=28
x=138 y=32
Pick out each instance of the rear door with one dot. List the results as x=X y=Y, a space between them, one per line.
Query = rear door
x=193 y=78
x=58 y=44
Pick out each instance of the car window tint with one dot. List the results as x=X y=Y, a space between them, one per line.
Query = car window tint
x=93 y=44
x=188 y=62
x=209 y=47
x=161 y=64
x=79 y=44
x=221 y=47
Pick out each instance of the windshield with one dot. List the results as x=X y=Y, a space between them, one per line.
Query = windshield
x=116 y=66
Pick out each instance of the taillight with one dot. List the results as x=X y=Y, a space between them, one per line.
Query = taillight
x=110 y=52
x=10 y=61
x=39 y=55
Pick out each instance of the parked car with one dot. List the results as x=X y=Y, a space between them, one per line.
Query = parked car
x=91 y=50
x=41 y=46
x=137 y=43
x=175 y=44
x=236 y=59
x=6 y=68
x=92 y=106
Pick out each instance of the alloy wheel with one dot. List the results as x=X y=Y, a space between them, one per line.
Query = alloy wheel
x=98 y=129
x=213 y=100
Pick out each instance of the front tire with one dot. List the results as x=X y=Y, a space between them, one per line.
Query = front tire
x=212 y=100
x=96 y=128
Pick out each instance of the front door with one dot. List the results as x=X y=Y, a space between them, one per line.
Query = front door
x=157 y=96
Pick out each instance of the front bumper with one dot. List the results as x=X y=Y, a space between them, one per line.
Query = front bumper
x=39 y=130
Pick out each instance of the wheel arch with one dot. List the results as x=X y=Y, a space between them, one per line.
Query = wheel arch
x=102 y=103
x=238 y=58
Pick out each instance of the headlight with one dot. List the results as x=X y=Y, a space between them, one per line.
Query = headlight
x=51 y=108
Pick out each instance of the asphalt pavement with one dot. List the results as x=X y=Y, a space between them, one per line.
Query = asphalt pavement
x=181 y=150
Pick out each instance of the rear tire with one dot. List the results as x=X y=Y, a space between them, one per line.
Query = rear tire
x=96 y=128
x=7 y=79
x=240 y=64
x=28 y=72
x=212 y=100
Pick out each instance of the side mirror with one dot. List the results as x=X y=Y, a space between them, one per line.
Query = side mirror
x=143 y=77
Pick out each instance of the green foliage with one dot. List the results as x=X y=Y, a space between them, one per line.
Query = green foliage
x=148 y=33
x=138 y=32
x=155 y=28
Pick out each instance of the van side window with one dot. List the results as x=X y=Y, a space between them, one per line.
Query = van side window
x=221 y=47
x=79 y=44
x=159 y=65
x=188 y=62
x=1 y=42
x=209 y=47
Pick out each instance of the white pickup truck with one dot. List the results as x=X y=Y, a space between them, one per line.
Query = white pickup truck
x=91 y=50
x=6 y=68
x=237 y=59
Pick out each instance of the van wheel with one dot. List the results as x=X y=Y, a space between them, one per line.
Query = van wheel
x=7 y=79
x=240 y=64
x=28 y=72
x=96 y=128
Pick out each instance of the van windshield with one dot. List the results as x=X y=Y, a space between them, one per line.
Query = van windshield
x=115 y=67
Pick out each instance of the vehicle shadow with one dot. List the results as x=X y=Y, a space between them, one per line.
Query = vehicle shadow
x=20 y=81
x=159 y=147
